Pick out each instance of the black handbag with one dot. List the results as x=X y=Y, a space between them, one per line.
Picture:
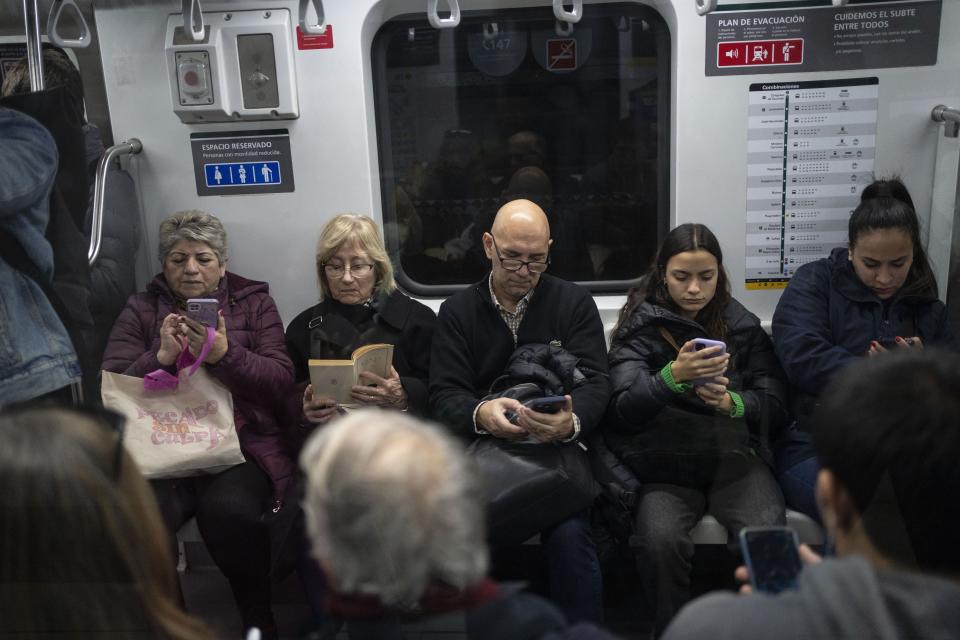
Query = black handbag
x=531 y=486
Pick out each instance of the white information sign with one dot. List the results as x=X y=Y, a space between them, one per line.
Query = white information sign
x=810 y=153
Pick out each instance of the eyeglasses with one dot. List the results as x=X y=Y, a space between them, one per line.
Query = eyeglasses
x=337 y=271
x=513 y=264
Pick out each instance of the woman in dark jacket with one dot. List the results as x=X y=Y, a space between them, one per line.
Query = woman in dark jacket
x=360 y=305
x=876 y=295
x=693 y=425
x=249 y=358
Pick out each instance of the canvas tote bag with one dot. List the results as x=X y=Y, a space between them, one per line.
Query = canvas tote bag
x=176 y=426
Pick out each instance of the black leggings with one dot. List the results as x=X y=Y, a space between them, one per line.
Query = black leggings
x=229 y=507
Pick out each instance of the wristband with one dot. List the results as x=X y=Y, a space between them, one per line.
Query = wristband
x=736 y=404
x=673 y=385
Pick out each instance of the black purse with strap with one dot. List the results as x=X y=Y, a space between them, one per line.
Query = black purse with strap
x=532 y=486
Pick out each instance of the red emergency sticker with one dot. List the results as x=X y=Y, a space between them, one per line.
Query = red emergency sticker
x=310 y=41
x=760 y=52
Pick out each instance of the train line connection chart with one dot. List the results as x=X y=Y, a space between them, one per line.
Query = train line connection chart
x=810 y=152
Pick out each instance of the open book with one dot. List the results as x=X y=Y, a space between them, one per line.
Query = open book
x=333 y=378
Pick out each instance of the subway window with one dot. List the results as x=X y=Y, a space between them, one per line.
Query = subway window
x=514 y=104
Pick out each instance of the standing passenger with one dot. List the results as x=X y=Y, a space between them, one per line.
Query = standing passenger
x=694 y=425
x=37 y=356
x=248 y=357
x=879 y=294
x=478 y=330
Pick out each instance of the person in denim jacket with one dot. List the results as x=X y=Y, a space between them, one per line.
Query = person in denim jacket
x=36 y=355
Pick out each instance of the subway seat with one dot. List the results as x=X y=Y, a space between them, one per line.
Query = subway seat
x=709 y=531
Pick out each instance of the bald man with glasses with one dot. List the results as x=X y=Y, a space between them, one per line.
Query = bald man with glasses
x=479 y=328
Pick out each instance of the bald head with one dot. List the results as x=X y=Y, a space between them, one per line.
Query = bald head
x=519 y=239
x=521 y=217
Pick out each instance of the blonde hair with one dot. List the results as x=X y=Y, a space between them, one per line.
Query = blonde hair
x=362 y=232
x=82 y=538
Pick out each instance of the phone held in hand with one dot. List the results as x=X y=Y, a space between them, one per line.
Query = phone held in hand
x=772 y=558
x=203 y=310
x=549 y=404
x=703 y=343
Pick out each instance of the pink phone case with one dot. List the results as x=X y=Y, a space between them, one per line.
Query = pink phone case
x=703 y=343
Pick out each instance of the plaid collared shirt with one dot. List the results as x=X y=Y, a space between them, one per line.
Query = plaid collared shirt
x=512 y=318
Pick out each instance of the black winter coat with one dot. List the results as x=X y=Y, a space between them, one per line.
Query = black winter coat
x=638 y=353
x=398 y=320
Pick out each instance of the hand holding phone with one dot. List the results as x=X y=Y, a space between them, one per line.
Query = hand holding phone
x=203 y=310
x=699 y=344
x=549 y=404
x=772 y=558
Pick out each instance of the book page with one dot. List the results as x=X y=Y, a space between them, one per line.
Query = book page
x=375 y=358
x=333 y=379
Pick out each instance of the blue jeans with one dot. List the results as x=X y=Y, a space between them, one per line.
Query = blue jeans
x=743 y=493
x=799 y=484
x=573 y=569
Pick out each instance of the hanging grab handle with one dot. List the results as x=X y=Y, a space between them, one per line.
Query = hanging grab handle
x=193 y=20
x=320 y=27
x=53 y=26
x=443 y=23
x=706 y=6
x=560 y=11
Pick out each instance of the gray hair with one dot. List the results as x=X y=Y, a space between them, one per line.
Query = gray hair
x=193 y=226
x=392 y=505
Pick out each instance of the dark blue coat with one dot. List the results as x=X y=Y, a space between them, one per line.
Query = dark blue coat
x=827 y=317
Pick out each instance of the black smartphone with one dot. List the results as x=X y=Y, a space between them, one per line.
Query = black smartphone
x=549 y=404
x=772 y=558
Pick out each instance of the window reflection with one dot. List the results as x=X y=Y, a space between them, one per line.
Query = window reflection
x=577 y=123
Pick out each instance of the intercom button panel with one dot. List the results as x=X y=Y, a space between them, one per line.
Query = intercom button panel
x=242 y=68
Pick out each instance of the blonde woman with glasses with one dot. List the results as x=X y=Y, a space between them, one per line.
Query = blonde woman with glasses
x=360 y=304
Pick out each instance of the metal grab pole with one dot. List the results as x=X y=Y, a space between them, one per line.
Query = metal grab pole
x=131 y=146
x=950 y=117
x=31 y=21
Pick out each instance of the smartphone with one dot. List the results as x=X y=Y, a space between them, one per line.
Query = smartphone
x=891 y=343
x=703 y=343
x=550 y=404
x=203 y=310
x=772 y=558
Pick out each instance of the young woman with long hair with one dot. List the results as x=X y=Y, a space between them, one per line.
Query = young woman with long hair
x=693 y=425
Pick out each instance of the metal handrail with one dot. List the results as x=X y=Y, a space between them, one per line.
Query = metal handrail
x=950 y=117
x=31 y=20
x=131 y=146
x=53 y=26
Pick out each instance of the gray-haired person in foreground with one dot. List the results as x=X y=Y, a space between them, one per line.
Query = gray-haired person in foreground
x=394 y=515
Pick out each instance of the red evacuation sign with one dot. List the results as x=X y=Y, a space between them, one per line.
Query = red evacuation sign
x=562 y=54
x=309 y=41
x=759 y=52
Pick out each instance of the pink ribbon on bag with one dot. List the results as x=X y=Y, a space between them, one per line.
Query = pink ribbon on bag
x=161 y=380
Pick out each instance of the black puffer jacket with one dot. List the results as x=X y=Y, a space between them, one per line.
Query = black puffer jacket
x=551 y=368
x=639 y=351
